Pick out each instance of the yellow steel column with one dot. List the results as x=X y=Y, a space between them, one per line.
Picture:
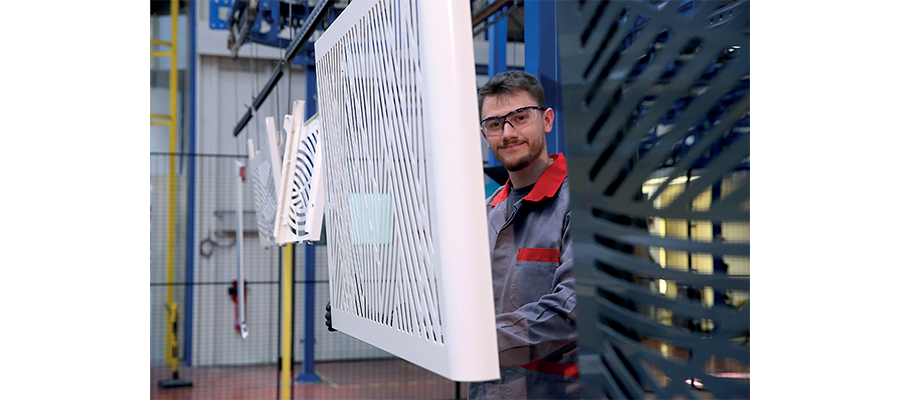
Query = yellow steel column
x=171 y=347
x=286 y=315
x=172 y=315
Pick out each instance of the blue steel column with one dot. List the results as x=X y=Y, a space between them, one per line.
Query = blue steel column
x=496 y=58
x=497 y=47
x=309 y=300
x=189 y=251
x=542 y=60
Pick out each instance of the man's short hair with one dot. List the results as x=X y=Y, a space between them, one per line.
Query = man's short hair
x=508 y=82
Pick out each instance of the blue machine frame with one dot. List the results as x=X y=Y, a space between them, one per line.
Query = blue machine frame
x=272 y=17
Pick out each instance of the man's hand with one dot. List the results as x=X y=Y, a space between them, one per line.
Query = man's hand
x=328 y=317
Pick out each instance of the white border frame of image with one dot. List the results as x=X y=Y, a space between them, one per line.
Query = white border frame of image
x=459 y=221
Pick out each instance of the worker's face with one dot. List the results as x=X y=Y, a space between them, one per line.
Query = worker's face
x=517 y=147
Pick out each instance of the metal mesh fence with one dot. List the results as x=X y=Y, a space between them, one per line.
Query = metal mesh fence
x=212 y=355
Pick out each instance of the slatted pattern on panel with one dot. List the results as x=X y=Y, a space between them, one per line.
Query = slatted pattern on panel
x=657 y=104
x=375 y=171
x=302 y=182
x=287 y=227
x=264 y=194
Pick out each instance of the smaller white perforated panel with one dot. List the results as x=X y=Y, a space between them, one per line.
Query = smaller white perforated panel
x=260 y=174
x=301 y=195
x=409 y=267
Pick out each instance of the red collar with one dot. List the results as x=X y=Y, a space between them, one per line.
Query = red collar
x=546 y=186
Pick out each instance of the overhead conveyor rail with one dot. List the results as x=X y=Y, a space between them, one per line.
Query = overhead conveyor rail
x=315 y=18
x=488 y=10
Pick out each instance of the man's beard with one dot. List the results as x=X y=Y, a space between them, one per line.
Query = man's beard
x=534 y=152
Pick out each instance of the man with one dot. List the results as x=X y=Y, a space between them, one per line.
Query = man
x=531 y=250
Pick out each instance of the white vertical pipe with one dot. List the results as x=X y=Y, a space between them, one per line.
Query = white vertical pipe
x=242 y=318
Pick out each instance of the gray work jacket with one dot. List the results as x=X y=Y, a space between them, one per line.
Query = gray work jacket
x=534 y=292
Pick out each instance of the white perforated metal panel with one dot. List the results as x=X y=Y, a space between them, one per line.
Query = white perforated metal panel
x=408 y=254
x=264 y=179
x=301 y=194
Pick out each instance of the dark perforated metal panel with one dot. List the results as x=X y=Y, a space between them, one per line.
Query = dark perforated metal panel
x=657 y=113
